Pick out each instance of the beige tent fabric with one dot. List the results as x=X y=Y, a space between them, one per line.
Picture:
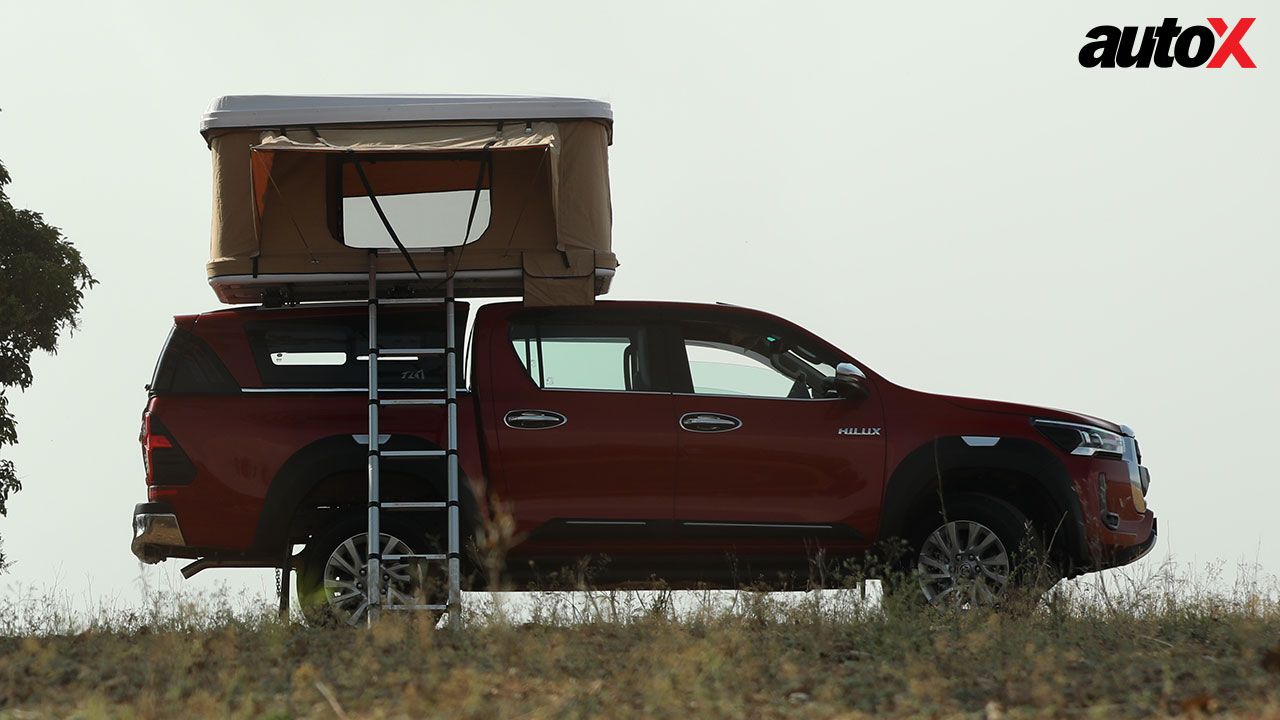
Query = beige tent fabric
x=234 y=239
x=584 y=208
x=559 y=278
x=550 y=219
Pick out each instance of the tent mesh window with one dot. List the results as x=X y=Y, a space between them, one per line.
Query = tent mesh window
x=431 y=201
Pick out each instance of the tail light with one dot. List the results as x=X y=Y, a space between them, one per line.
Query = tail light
x=165 y=462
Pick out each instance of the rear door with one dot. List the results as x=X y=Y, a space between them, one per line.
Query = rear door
x=769 y=455
x=586 y=441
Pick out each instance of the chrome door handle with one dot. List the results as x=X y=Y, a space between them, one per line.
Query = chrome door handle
x=534 y=419
x=709 y=422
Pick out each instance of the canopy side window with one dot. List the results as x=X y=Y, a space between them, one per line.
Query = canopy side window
x=333 y=353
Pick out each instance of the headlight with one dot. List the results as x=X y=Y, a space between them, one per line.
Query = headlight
x=1081 y=439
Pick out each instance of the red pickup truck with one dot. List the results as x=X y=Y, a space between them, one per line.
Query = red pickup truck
x=696 y=444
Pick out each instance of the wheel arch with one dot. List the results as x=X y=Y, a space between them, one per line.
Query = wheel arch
x=319 y=470
x=1020 y=471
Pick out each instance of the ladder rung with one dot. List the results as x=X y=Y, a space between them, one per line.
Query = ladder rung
x=411 y=351
x=410 y=301
x=417 y=556
x=413 y=401
x=413 y=453
x=415 y=607
x=414 y=505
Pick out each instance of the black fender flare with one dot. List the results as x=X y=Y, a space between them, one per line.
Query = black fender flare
x=921 y=471
x=337 y=454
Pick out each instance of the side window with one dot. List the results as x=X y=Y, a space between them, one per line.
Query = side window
x=754 y=362
x=566 y=355
x=726 y=370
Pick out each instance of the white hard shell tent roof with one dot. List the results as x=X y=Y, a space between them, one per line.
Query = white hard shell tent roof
x=308 y=188
x=254 y=111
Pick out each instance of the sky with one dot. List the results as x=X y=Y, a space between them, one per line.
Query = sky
x=938 y=188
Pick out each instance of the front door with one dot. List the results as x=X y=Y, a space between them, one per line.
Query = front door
x=770 y=459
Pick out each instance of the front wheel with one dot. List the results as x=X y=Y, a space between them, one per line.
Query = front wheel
x=979 y=552
x=333 y=582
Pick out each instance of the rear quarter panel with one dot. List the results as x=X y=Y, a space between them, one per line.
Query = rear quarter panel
x=238 y=444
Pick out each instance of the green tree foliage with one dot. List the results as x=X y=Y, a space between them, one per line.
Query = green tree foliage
x=42 y=284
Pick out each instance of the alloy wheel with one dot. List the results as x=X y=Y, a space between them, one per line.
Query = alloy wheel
x=346 y=571
x=963 y=563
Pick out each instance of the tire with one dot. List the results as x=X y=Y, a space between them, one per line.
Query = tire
x=329 y=593
x=979 y=551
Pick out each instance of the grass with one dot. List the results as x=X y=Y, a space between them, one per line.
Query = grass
x=1154 y=645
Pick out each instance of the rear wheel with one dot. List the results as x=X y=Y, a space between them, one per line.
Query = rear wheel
x=333 y=582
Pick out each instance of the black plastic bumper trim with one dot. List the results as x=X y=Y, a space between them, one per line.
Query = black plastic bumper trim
x=153 y=508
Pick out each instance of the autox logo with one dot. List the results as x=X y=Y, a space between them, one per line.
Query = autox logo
x=1167 y=43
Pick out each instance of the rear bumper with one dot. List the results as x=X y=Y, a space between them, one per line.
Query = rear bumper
x=155 y=532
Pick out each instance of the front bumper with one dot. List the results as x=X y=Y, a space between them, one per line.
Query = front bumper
x=155 y=532
x=1132 y=553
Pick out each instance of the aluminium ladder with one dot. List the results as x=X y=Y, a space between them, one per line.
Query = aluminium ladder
x=452 y=557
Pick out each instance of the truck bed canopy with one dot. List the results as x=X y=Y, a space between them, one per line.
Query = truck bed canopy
x=306 y=186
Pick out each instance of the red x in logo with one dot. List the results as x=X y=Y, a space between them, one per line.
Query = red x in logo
x=1230 y=46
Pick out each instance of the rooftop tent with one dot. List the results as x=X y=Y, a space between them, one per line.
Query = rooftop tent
x=306 y=186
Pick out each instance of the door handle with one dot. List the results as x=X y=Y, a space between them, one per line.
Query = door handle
x=709 y=422
x=534 y=419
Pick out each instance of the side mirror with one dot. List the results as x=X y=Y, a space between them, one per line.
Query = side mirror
x=850 y=381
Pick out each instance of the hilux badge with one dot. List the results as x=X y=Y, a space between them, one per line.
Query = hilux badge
x=858 y=431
